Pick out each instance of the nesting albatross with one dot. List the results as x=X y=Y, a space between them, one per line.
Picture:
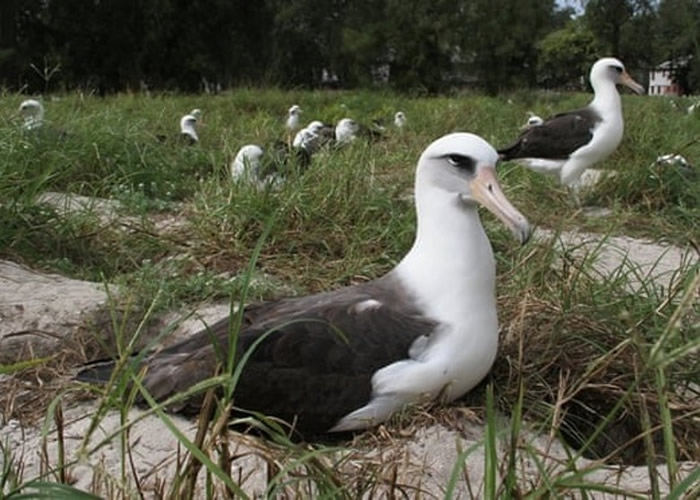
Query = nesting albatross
x=568 y=143
x=350 y=358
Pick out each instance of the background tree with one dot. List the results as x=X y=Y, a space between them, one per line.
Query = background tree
x=112 y=45
x=501 y=40
x=566 y=55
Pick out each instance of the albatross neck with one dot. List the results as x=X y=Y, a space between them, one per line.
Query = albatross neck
x=450 y=268
x=606 y=98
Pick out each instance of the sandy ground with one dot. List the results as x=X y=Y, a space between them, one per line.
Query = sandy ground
x=38 y=311
x=639 y=261
x=420 y=465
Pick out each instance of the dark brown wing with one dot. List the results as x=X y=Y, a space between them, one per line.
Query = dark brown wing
x=555 y=139
x=311 y=367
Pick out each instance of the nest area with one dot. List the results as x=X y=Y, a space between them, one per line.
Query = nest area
x=583 y=377
x=586 y=377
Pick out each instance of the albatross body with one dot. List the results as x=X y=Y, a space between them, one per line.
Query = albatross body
x=348 y=359
x=568 y=143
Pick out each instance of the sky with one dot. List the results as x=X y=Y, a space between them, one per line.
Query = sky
x=576 y=4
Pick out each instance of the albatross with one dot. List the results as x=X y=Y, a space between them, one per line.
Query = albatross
x=348 y=359
x=32 y=112
x=188 y=132
x=568 y=143
x=268 y=166
x=293 y=118
x=400 y=119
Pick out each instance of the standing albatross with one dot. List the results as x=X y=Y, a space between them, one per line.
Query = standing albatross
x=348 y=359
x=568 y=143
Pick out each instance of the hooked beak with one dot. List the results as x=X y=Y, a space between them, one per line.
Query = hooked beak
x=627 y=81
x=487 y=191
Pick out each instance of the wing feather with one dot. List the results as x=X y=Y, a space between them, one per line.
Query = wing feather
x=313 y=365
x=555 y=139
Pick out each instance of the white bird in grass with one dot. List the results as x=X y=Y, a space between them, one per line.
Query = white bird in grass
x=350 y=358
x=247 y=164
x=569 y=143
x=313 y=137
x=32 y=113
x=532 y=121
x=293 y=118
x=188 y=132
x=268 y=166
x=346 y=131
x=399 y=119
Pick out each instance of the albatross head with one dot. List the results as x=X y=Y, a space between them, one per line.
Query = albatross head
x=295 y=110
x=612 y=69
x=465 y=165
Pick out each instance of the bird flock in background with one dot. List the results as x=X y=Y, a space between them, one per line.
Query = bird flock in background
x=428 y=329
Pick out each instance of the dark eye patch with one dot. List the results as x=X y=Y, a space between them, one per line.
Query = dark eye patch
x=462 y=162
x=617 y=68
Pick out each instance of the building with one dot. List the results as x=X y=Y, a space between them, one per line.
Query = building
x=661 y=81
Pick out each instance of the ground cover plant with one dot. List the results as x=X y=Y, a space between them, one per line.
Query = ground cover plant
x=615 y=373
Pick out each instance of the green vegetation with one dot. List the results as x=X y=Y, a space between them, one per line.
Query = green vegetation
x=613 y=372
x=412 y=44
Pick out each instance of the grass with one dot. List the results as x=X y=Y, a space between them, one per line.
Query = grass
x=615 y=374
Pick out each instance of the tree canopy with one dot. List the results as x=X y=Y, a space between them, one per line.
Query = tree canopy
x=114 y=45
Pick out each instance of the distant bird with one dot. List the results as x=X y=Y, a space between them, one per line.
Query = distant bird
x=399 y=119
x=350 y=358
x=188 y=131
x=268 y=166
x=568 y=143
x=693 y=107
x=672 y=159
x=293 y=118
x=532 y=121
x=314 y=136
x=247 y=164
x=346 y=131
x=293 y=122
x=32 y=113
x=676 y=161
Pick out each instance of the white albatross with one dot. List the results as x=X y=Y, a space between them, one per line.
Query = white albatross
x=32 y=113
x=533 y=120
x=350 y=358
x=293 y=118
x=400 y=119
x=247 y=163
x=188 y=132
x=346 y=131
x=569 y=143
x=268 y=166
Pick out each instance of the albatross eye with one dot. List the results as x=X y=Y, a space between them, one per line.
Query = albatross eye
x=617 y=68
x=462 y=162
